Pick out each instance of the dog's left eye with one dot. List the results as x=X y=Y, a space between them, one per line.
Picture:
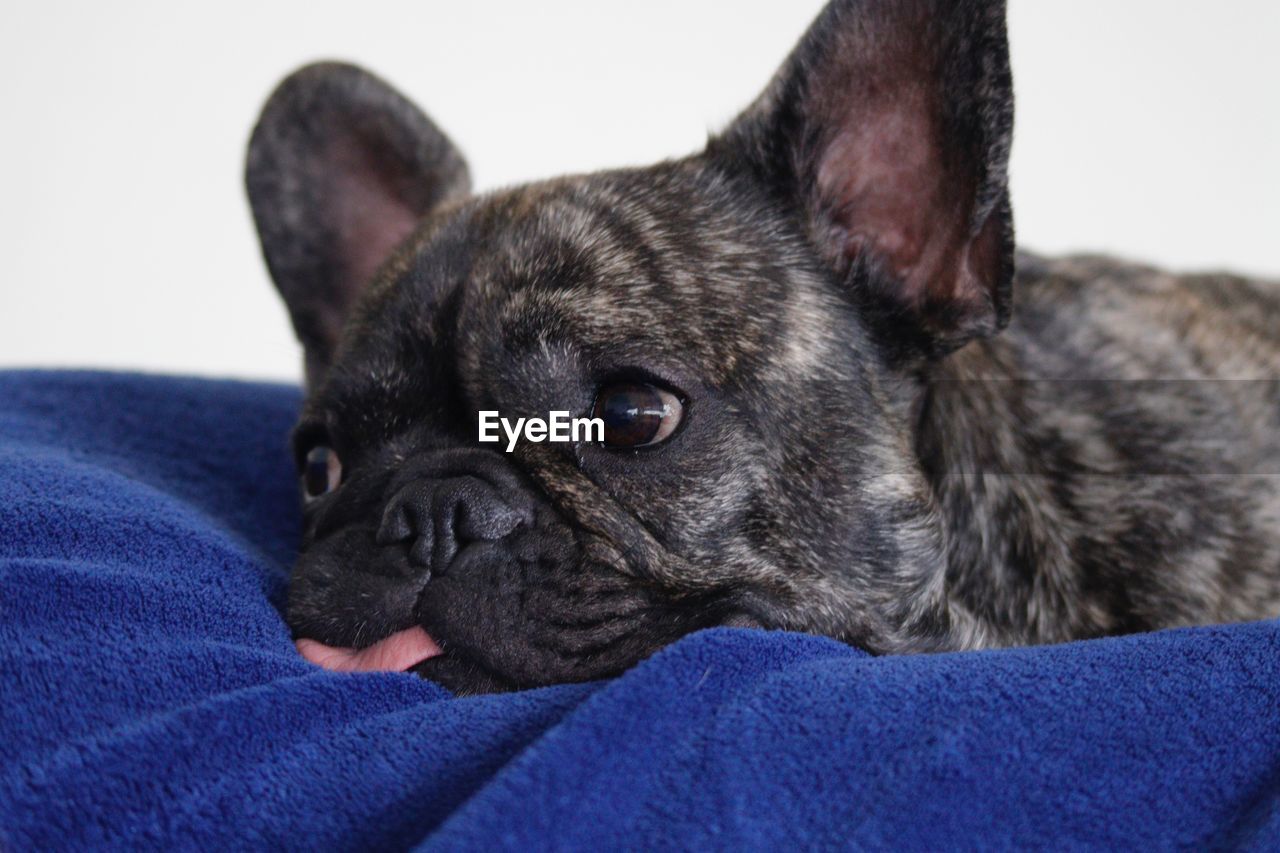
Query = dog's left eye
x=637 y=414
x=321 y=472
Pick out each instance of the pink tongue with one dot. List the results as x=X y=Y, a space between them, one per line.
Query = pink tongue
x=396 y=653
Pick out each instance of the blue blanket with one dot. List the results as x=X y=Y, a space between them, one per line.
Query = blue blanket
x=150 y=695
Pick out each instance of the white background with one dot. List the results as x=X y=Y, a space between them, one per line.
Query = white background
x=1145 y=127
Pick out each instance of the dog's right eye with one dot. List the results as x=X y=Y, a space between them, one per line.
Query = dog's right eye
x=637 y=414
x=321 y=472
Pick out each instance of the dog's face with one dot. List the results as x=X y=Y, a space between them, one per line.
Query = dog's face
x=747 y=323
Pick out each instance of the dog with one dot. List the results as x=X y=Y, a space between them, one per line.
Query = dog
x=834 y=398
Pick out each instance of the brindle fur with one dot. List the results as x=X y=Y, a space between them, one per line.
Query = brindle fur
x=858 y=459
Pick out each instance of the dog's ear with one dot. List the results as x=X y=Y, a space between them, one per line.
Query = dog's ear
x=341 y=167
x=888 y=131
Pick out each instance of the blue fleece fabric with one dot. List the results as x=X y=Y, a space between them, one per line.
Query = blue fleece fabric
x=151 y=696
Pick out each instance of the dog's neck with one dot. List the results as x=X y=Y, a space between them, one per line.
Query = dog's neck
x=1013 y=571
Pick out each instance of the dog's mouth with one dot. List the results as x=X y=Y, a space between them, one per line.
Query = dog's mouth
x=411 y=650
x=398 y=652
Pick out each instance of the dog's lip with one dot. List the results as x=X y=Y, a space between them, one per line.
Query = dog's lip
x=397 y=652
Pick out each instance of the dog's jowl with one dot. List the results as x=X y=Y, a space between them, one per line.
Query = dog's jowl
x=830 y=396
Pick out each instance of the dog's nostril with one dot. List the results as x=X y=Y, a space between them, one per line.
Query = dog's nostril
x=468 y=510
x=395 y=526
x=438 y=517
x=423 y=551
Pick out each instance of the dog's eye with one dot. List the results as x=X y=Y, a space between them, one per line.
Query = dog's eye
x=636 y=415
x=321 y=472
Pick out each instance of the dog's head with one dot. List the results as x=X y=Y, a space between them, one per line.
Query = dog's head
x=746 y=322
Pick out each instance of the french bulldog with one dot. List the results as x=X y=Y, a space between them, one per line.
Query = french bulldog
x=833 y=397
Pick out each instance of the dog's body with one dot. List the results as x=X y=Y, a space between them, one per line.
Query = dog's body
x=814 y=427
x=1120 y=440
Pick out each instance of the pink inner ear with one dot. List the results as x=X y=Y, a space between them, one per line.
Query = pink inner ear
x=878 y=178
x=884 y=188
x=372 y=218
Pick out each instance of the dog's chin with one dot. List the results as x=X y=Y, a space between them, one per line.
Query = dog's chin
x=461 y=676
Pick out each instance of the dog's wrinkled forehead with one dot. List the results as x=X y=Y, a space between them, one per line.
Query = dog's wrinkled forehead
x=568 y=280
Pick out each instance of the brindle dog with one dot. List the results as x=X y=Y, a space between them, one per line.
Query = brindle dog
x=811 y=424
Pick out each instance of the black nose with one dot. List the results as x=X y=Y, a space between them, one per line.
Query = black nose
x=440 y=516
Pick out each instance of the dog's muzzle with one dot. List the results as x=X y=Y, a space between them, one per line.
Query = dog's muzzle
x=435 y=511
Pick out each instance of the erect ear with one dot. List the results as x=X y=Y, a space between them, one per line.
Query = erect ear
x=888 y=131
x=341 y=168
